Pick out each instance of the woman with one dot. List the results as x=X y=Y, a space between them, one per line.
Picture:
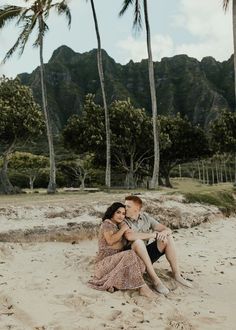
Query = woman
x=114 y=267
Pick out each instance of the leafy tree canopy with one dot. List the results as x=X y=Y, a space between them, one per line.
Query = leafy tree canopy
x=20 y=121
x=27 y=163
x=223 y=133
x=20 y=117
x=131 y=134
x=185 y=143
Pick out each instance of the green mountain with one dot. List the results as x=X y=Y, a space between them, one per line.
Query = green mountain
x=198 y=90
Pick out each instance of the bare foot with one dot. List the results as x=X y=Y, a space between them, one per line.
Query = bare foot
x=183 y=281
x=147 y=292
x=161 y=288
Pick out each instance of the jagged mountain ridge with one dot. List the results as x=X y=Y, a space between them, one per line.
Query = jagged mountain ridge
x=196 y=89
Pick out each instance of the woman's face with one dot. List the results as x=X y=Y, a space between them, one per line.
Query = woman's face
x=119 y=215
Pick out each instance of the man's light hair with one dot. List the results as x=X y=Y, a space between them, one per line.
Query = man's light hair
x=134 y=199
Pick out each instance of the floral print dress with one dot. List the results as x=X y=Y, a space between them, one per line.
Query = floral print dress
x=116 y=268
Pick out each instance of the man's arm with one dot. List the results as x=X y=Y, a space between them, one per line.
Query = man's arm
x=130 y=235
x=163 y=231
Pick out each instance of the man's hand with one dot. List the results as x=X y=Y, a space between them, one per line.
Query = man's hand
x=163 y=235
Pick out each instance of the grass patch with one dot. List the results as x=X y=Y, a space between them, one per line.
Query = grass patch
x=224 y=200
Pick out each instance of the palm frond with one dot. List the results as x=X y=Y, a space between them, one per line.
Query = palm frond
x=62 y=8
x=125 y=6
x=137 y=24
x=29 y=24
x=8 y=13
x=225 y=4
x=43 y=28
x=29 y=27
x=24 y=16
x=15 y=46
x=47 y=5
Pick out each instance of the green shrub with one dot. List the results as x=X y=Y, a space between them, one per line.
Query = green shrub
x=223 y=200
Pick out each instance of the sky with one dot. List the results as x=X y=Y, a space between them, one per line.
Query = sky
x=197 y=28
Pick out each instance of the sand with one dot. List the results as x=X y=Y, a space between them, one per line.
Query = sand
x=43 y=285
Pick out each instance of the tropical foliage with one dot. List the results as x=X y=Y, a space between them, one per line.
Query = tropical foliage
x=130 y=136
x=28 y=165
x=20 y=121
x=185 y=143
x=30 y=18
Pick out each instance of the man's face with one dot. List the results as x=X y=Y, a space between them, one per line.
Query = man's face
x=132 y=209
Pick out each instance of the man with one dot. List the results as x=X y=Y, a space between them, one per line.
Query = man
x=143 y=227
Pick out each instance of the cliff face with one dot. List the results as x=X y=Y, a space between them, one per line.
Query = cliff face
x=196 y=89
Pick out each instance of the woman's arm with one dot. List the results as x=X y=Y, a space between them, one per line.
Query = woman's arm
x=112 y=238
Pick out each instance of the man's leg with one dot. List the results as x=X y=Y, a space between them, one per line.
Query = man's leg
x=140 y=249
x=168 y=247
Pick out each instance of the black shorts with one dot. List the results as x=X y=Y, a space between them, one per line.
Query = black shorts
x=153 y=251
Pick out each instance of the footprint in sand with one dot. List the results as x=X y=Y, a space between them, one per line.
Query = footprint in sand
x=179 y=323
x=17 y=315
x=114 y=315
x=138 y=314
x=74 y=301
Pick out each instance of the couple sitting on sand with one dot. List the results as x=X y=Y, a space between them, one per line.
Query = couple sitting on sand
x=125 y=252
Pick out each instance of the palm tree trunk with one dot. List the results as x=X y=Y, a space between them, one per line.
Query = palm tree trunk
x=180 y=172
x=203 y=173
x=199 y=172
x=207 y=174
x=154 y=181
x=221 y=172
x=107 y=120
x=234 y=38
x=212 y=174
x=52 y=180
x=225 y=170
x=230 y=171
x=217 y=172
x=235 y=169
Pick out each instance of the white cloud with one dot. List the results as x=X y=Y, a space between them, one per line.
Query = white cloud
x=207 y=27
x=133 y=48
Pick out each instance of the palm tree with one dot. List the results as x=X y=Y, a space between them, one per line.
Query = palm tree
x=28 y=19
x=107 y=120
x=137 y=23
x=226 y=6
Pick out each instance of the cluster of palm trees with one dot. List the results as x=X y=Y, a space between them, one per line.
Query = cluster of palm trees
x=34 y=16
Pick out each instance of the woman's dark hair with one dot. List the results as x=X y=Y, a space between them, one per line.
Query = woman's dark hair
x=111 y=210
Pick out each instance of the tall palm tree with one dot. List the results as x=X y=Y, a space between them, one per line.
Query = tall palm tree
x=226 y=6
x=107 y=120
x=29 y=18
x=137 y=23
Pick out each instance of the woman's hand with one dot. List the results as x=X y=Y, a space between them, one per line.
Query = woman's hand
x=124 y=226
